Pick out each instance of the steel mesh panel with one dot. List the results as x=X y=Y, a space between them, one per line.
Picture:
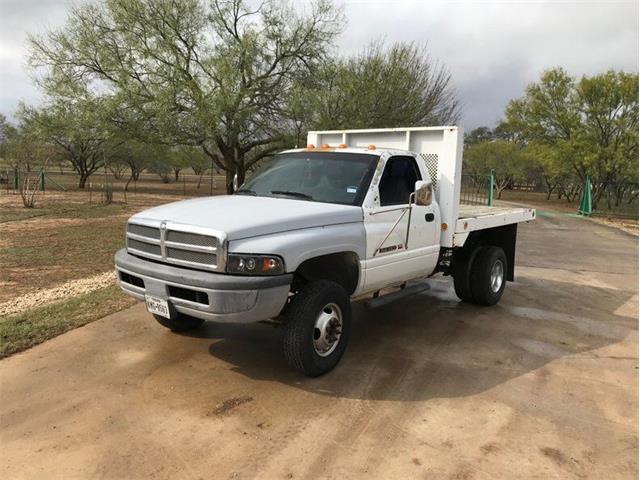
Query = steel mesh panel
x=190 y=256
x=431 y=162
x=150 y=232
x=191 y=239
x=143 y=246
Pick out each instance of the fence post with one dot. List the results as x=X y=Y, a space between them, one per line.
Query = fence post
x=491 y=184
x=42 y=180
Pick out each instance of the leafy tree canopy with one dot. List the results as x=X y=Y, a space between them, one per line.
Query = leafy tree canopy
x=210 y=74
x=381 y=87
x=590 y=123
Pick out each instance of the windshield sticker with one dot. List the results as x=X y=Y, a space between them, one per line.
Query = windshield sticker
x=352 y=189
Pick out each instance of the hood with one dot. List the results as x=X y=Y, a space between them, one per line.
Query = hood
x=242 y=216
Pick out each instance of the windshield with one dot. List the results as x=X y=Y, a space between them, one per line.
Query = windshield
x=328 y=177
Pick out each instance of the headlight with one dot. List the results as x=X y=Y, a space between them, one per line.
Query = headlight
x=254 y=264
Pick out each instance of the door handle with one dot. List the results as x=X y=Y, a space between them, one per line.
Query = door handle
x=429 y=217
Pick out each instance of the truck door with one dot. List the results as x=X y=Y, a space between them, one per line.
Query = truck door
x=402 y=237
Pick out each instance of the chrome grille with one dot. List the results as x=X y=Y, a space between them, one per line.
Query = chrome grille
x=144 y=231
x=188 y=238
x=190 y=256
x=144 y=247
x=197 y=249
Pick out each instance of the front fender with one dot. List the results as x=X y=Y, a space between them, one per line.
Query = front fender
x=296 y=246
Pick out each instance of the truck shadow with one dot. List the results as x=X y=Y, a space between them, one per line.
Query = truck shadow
x=430 y=345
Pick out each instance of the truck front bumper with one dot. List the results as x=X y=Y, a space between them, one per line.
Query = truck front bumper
x=205 y=295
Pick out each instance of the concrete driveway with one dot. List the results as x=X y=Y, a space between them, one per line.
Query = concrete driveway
x=544 y=385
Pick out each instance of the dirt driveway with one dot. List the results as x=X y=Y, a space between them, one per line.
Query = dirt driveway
x=545 y=385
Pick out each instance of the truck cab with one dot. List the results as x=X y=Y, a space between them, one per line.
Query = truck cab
x=353 y=213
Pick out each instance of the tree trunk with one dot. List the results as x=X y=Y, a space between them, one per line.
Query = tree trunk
x=597 y=193
x=229 y=181
x=177 y=172
x=241 y=176
x=550 y=187
x=126 y=186
x=83 y=180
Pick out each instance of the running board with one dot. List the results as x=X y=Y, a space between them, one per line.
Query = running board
x=409 y=290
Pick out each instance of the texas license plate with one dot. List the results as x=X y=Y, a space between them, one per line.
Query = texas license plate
x=156 y=305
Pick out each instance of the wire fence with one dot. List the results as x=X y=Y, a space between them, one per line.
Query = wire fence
x=477 y=190
x=101 y=185
x=618 y=200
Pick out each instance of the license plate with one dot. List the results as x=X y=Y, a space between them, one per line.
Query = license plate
x=156 y=305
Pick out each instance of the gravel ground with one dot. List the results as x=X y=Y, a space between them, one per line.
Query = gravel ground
x=61 y=292
x=624 y=224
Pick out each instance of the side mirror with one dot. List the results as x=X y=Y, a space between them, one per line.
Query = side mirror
x=423 y=193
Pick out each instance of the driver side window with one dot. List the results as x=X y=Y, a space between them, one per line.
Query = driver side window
x=398 y=181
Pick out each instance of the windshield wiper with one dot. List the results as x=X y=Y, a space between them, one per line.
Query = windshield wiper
x=292 y=194
x=246 y=191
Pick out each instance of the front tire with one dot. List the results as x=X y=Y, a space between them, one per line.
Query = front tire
x=181 y=323
x=316 y=332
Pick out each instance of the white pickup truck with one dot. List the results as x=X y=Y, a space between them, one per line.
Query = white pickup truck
x=355 y=212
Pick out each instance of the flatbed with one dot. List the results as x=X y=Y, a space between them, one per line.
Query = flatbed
x=480 y=217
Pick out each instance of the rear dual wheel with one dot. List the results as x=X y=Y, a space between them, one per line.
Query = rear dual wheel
x=480 y=275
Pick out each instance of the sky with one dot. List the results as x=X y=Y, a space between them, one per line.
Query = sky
x=493 y=49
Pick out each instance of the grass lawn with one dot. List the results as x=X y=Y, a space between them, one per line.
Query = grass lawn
x=63 y=242
x=21 y=331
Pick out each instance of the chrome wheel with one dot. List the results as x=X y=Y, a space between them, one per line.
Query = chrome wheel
x=327 y=330
x=497 y=276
